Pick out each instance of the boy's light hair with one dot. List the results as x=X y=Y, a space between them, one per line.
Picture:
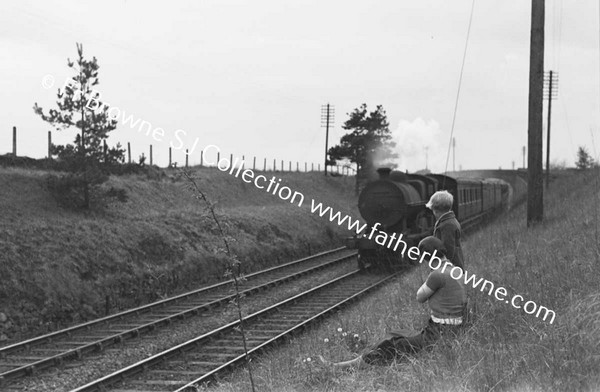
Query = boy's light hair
x=440 y=201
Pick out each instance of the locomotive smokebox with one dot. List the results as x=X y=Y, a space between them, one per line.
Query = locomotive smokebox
x=390 y=200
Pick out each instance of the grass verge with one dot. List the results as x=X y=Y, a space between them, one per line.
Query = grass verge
x=555 y=264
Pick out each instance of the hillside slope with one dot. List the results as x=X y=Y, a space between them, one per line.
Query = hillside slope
x=59 y=266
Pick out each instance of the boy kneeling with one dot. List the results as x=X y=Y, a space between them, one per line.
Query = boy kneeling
x=446 y=298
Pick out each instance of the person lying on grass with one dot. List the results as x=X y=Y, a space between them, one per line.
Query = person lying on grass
x=446 y=297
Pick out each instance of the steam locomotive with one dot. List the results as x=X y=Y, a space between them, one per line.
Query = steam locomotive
x=395 y=204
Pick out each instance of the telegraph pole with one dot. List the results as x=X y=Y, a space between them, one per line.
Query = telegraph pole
x=535 y=186
x=327 y=114
x=524 y=152
x=454 y=154
x=550 y=80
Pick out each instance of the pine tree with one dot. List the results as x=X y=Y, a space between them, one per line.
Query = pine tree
x=584 y=160
x=87 y=159
x=368 y=144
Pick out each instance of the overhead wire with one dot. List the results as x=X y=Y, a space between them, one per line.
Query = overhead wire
x=462 y=67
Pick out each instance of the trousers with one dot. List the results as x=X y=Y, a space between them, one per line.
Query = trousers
x=401 y=343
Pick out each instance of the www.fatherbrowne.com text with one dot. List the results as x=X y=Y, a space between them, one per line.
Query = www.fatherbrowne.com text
x=391 y=241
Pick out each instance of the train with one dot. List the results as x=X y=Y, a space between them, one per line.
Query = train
x=395 y=204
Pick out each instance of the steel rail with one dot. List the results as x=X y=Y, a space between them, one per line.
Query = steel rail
x=256 y=350
x=133 y=370
x=118 y=337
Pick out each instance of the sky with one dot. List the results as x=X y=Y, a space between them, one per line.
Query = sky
x=251 y=76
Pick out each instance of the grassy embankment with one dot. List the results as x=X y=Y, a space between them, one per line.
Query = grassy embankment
x=555 y=264
x=59 y=267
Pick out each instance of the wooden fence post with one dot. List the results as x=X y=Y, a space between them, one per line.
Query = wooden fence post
x=128 y=152
x=305 y=167
x=49 y=144
x=169 y=156
x=319 y=167
x=290 y=167
x=14 y=141
x=312 y=166
x=187 y=155
x=218 y=157
x=274 y=165
x=151 y=155
x=254 y=164
x=201 y=158
x=243 y=161
x=282 y=166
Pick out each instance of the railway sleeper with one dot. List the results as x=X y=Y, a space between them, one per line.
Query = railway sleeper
x=165 y=383
x=278 y=322
x=234 y=349
x=119 y=328
x=291 y=311
x=233 y=341
x=167 y=313
x=203 y=356
x=274 y=328
x=293 y=318
x=178 y=372
x=180 y=308
x=69 y=344
x=46 y=351
x=294 y=312
x=15 y=364
x=26 y=359
x=186 y=363
x=263 y=332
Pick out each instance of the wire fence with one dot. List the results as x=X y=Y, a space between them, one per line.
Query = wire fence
x=212 y=160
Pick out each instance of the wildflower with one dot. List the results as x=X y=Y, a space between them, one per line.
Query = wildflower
x=340 y=329
x=356 y=336
x=308 y=359
x=344 y=334
x=326 y=340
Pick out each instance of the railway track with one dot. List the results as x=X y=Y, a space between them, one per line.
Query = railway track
x=30 y=356
x=195 y=362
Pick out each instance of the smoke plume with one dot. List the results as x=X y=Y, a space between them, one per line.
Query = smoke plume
x=420 y=143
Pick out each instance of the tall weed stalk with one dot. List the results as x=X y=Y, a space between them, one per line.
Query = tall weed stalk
x=234 y=263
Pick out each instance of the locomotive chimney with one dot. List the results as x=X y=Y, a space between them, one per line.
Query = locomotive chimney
x=384 y=172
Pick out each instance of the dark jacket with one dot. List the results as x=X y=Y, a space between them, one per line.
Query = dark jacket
x=447 y=229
